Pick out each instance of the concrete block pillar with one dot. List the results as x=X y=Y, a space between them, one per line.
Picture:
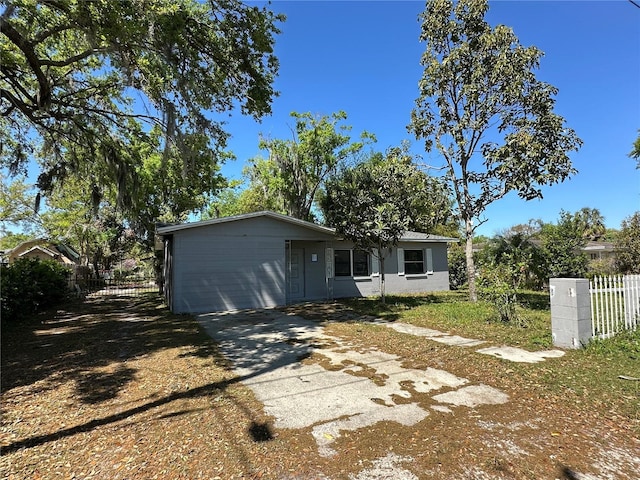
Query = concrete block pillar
x=570 y=312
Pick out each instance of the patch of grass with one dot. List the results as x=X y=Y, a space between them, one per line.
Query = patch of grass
x=454 y=313
x=626 y=343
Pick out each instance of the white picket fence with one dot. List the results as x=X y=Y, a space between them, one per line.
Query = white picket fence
x=615 y=304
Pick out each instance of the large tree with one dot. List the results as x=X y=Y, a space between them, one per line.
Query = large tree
x=296 y=169
x=79 y=80
x=374 y=203
x=483 y=109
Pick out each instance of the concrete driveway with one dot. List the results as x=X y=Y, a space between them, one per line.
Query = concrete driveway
x=333 y=396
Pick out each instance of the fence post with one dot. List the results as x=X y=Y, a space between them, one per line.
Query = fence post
x=570 y=312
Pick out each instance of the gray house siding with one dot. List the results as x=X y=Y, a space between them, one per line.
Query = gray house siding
x=234 y=265
x=227 y=272
x=438 y=280
x=265 y=260
x=416 y=283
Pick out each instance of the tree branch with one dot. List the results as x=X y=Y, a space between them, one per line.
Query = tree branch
x=47 y=33
x=44 y=96
x=74 y=59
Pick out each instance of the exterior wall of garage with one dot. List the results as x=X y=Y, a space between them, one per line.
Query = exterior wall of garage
x=233 y=265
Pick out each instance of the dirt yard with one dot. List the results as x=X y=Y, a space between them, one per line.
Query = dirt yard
x=121 y=389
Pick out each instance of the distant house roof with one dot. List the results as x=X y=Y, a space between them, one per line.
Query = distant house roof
x=68 y=251
x=407 y=237
x=425 y=237
x=599 y=246
x=39 y=248
x=57 y=251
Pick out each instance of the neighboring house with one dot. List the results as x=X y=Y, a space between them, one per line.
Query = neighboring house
x=266 y=259
x=600 y=250
x=44 y=250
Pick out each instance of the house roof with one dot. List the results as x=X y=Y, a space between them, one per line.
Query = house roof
x=425 y=237
x=40 y=248
x=606 y=246
x=54 y=250
x=68 y=252
x=407 y=237
x=169 y=229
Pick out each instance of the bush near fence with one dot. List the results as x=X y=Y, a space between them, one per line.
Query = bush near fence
x=29 y=285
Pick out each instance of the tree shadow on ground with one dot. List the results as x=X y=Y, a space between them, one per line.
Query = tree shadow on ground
x=96 y=387
x=33 y=441
x=535 y=300
x=90 y=343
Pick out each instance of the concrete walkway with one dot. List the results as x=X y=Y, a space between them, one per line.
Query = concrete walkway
x=512 y=354
x=333 y=396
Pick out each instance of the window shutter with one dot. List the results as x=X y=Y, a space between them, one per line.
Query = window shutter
x=328 y=258
x=429 y=255
x=400 y=261
x=375 y=263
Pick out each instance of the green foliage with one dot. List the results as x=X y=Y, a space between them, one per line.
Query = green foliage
x=592 y=223
x=18 y=204
x=290 y=180
x=488 y=116
x=457 y=266
x=562 y=245
x=627 y=245
x=100 y=234
x=601 y=267
x=521 y=255
x=625 y=342
x=82 y=81
x=498 y=287
x=170 y=186
x=29 y=285
x=635 y=153
x=374 y=203
x=11 y=240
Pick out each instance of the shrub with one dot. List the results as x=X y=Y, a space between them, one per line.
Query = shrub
x=497 y=286
x=29 y=285
x=457 y=266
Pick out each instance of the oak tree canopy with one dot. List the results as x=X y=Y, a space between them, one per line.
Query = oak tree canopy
x=80 y=81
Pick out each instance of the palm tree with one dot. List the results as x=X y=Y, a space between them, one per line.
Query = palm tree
x=592 y=223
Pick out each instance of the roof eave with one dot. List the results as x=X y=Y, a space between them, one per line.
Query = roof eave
x=170 y=229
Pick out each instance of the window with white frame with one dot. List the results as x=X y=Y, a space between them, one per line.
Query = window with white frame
x=351 y=263
x=415 y=261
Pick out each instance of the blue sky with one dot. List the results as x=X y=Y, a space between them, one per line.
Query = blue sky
x=363 y=57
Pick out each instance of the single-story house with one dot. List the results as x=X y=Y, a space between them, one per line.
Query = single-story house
x=266 y=259
x=44 y=250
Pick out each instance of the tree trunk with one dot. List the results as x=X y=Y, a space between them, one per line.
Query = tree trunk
x=471 y=267
x=382 y=287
